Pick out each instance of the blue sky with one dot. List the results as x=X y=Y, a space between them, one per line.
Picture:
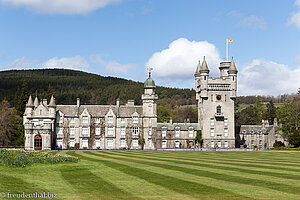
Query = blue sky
x=122 y=37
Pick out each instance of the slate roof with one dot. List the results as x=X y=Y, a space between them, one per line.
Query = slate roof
x=256 y=128
x=182 y=126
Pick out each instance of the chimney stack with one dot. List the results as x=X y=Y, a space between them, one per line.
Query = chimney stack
x=78 y=102
x=118 y=103
x=171 y=120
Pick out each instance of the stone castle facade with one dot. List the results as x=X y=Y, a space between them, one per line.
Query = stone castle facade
x=131 y=126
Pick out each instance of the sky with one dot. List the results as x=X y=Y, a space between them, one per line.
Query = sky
x=122 y=38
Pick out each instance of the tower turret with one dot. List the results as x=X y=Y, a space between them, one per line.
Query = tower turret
x=204 y=73
x=36 y=102
x=232 y=72
x=29 y=107
x=149 y=97
x=52 y=106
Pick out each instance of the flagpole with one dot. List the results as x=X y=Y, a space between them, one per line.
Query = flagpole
x=226 y=49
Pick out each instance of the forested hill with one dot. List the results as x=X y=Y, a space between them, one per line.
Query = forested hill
x=91 y=88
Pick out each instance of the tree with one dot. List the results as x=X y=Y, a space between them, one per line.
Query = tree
x=7 y=123
x=270 y=113
x=163 y=114
x=198 y=139
x=294 y=138
x=50 y=93
x=21 y=98
x=141 y=142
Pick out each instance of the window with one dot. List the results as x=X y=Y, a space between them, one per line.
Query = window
x=212 y=122
x=225 y=122
x=164 y=144
x=212 y=98
x=150 y=143
x=123 y=130
x=85 y=120
x=177 y=144
x=72 y=143
x=72 y=131
x=177 y=133
x=191 y=133
x=260 y=142
x=59 y=131
x=110 y=143
x=219 y=144
x=72 y=120
x=59 y=142
x=97 y=120
x=110 y=130
x=135 y=120
x=150 y=131
x=85 y=143
x=225 y=132
x=97 y=143
x=226 y=144
x=252 y=142
x=225 y=99
x=212 y=144
x=60 y=119
x=135 y=143
x=212 y=132
x=98 y=130
x=135 y=130
x=122 y=120
x=123 y=143
x=110 y=119
x=41 y=122
x=164 y=133
x=219 y=109
x=85 y=131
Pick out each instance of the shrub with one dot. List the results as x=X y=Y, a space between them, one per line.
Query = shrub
x=278 y=144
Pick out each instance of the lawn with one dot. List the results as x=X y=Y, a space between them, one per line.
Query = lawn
x=161 y=175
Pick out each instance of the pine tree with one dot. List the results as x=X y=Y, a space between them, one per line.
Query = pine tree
x=21 y=98
x=270 y=112
x=50 y=93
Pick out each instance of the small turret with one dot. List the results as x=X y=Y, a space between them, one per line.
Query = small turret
x=30 y=102
x=52 y=106
x=232 y=72
x=52 y=102
x=204 y=73
x=36 y=102
x=29 y=107
x=204 y=67
x=232 y=68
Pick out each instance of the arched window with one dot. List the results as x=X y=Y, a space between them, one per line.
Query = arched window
x=219 y=109
x=38 y=142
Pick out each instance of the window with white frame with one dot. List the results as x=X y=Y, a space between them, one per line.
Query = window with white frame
x=150 y=143
x=123 y=121
x=150 y=131
x=135 y=130
x=85 y=143
x=177 y=133
x=110 y=143
x=219 y=144
x=98 y=130
x=85 y=131
x=177 y=144
x=225 y=144
x=135 y=120
x=97 y=143
x=123 y=143
x=225 y=122
x=164 y=144
x=212 y=144
x=212 y=122
x=212 y=132
x=260 y=142
x=97 y=120
x=123 y=131
x=72 y=143
x=59 y=131
x=164 y=133
x=191 y=133
x=110 y=119
x=72 y=131
x=85 y=119
x=59 y=142
x=110 y=130
x=72 y=120
x=135 y=143
x=225 y=132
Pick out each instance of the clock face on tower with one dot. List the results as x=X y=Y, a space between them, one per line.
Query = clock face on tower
x=219 y=97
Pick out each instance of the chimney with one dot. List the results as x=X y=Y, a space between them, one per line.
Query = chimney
x=78 y=102
x=45 y=102
x=171 y=120
x=188 y=120
x=118 y=103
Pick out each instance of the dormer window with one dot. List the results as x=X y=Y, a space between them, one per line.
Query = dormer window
x=135 y=120
x=110 y=119
x=85 y=119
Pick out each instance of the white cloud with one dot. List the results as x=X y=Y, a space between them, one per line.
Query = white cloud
x=263 y=77
x=253 y=21
x=112 y=66
x=60 y=6
x=297 y=60
x=180 y=59
x=77 y=62
x=294 y=20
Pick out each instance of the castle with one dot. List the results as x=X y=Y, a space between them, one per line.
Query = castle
x=131 y=126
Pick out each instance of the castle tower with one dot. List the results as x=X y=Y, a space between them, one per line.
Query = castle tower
x=149 y=99
x=215 y=97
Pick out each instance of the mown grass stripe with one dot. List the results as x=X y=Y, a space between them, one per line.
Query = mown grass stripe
x=171 y=183
x=204 y=173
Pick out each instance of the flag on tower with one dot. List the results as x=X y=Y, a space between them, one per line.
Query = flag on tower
x=229 y=40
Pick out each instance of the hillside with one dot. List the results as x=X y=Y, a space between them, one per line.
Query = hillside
x=91 y=88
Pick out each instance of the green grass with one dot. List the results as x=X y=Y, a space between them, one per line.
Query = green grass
x=161 y=175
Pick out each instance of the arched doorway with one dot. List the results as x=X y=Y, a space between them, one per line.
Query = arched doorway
x=38 y=142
